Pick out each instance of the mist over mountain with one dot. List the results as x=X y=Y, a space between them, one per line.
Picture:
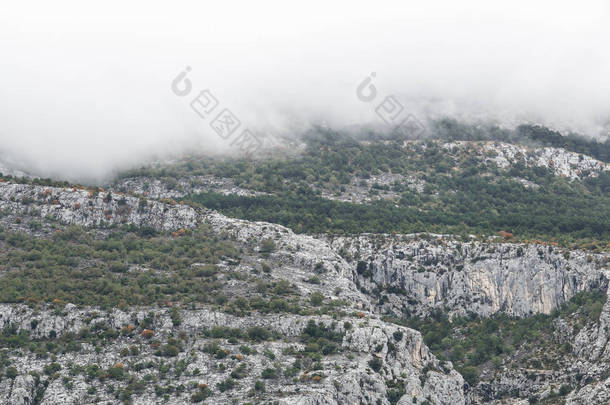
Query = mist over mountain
x=305 y=203
x=87 y=89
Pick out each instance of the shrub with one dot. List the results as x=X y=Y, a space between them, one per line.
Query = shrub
x=52 y=368
x=313 y=332
x=395 y=391
x=93 y=370
x=282 y=287
x=239 y=372
x=224 y=332
x=11 y=372
x=269 y=373
x=259 y=386
x=565 y=389
x=267 y=246
x=362 y=268
x=246 y=349
x=258 y=333
x=211 y=348
x=319 y=268
x=118 y=267
x=116 y=373
x=169 y=350
x=375 y=364
x=313 y=280
x=201 y=394
x=222 y=353
x=226 y=385
x=147 y=333
x=316 y=299
x=175 y=315
x=470 y=374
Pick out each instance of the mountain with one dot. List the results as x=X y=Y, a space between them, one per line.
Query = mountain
x=468 y=267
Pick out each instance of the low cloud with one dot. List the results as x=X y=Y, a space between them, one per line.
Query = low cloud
x=85 y=90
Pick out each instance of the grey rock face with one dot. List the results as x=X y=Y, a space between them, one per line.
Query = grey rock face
x=591 y=342
x=19 y=391
x=82 y=207
x=591 y=346
x=420 y=275
x=407 y=359
x=416 y=274
x=483 y=278
x=561 y=162
x=591 y=394
x=155 y=188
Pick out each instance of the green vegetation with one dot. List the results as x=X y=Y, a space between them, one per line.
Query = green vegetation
x=463 y=193
x=450 y=129
x=571 y=142
x=102 y=338
x=332 y=156
x=254 y=333
x=375 y=364
x=122 y=269
x=37 y=181
x=203 y=393
x=259 y=386
x=226 y=385
x=483 y=209
x=472 y=342
x=270 y=373
x=130 y=266
x=321 y=339
x=11 y=372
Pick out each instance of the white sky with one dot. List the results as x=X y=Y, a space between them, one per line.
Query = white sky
x=85 y=86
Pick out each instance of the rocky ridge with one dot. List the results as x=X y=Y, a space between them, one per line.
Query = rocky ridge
x=88 y=207
x=416 y=274
x=348 y=381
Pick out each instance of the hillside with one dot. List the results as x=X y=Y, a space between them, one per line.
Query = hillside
x=467 y=270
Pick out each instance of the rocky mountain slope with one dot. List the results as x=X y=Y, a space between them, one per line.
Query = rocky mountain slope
x=92 y=207
x=278 y=356
x=374 y=362
x=417 y=275
x=137 y=293
x=363 y=189
x=343 y=379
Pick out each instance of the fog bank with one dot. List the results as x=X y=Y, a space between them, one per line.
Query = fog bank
x=86 y=89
